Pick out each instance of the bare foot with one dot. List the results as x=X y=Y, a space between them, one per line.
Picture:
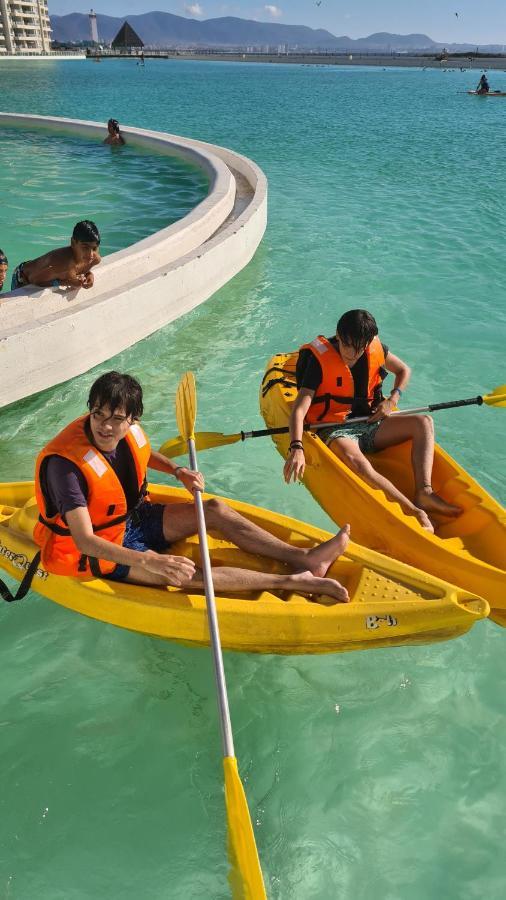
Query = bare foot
x=307 y=583
x=320 y=558
x=431 y=502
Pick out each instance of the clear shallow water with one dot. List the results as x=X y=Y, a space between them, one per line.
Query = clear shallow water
x=375 y=774
x=48 y=182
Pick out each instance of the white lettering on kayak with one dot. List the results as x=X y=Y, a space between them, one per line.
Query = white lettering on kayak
x=373 y=622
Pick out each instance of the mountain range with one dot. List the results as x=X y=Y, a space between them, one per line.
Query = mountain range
x=160 y=29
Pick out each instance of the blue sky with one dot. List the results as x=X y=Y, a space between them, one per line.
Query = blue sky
x=477 y=22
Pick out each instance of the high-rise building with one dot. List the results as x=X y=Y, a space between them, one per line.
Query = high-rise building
x=25 y=28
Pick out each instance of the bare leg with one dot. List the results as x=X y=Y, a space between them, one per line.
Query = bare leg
x=228 y=579
x=180 y=521
x=420 y=431
x=350 y=453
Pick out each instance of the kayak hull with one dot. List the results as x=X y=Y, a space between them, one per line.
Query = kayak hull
x=487 y=94
x=469 y=551
x=391 y=604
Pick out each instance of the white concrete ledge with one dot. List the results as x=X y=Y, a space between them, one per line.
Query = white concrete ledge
x=48 y=336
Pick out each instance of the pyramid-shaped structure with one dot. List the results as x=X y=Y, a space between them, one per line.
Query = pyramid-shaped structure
x=126 y=37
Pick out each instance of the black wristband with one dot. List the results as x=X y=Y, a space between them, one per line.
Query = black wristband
x=176 y=470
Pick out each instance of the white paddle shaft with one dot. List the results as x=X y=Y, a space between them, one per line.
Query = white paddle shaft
x=219 y=671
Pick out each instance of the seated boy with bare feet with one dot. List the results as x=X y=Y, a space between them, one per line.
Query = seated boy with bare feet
x=96 y=517
x=341 y=377
x=67 y=267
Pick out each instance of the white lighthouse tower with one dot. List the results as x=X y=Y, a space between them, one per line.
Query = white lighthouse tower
x=93 y=26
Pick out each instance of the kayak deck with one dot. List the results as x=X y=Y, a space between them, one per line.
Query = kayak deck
x=391 y=603
x=469 y=551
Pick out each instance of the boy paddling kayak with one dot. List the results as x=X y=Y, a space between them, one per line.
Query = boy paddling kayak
x=96 y=518
x=341 y=377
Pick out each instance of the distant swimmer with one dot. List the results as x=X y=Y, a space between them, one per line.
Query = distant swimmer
x=114 y=136
x=4 y=262
x=483 y=86
x=67 y=267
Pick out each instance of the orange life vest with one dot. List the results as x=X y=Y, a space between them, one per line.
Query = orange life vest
x=106 y=500
x=333 y=400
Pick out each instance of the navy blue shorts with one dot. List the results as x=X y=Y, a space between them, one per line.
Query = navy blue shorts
x=144 y=531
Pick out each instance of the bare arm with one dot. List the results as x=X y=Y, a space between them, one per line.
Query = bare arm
x=402 y=374
x=191 y=480
x=295 y=464
x=175 y=568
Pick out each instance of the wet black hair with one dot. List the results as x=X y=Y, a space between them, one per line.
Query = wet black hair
x=3 y=259
x=115 y=390
x=114 y=125
x=357 y=327
x=86 y=232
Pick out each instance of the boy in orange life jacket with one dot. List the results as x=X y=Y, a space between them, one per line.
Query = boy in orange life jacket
x=96 y=519
x=341 y=377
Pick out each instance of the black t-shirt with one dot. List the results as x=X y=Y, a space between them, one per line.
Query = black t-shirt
x=309 y=375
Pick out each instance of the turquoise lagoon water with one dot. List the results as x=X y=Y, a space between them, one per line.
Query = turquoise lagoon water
x=375 y=774
x=49 y=182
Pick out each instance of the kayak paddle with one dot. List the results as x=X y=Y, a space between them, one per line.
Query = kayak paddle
x=204 y=440
x=246 y=871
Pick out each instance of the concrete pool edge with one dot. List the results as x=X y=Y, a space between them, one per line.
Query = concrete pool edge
x=48 y=336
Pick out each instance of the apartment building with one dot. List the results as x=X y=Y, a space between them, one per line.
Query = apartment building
x=24 y=27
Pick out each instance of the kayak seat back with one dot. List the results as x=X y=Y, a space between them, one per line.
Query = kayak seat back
x=24 y=518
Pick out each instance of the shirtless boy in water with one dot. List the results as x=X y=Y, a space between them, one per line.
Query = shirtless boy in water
x=114 y=136
x=67 y=267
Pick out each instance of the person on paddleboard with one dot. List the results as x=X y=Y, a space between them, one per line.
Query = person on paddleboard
x=67 y=267
x=340 y=378
x=4 y=264
x=96 y=518
x=483 y=86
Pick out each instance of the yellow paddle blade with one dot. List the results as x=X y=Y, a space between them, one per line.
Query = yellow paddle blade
x=246 y=877
x=497 y=397
x=186 y=406
x=204 y=440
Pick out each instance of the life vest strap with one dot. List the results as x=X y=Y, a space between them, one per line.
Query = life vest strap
x=65 y=532
x=94 y=564
x=26 y=581
x=326 y=400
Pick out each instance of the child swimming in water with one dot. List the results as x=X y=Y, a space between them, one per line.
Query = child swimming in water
x=67 y=267
x=114 y=137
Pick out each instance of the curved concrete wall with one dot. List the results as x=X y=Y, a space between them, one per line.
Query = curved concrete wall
x=48 y=336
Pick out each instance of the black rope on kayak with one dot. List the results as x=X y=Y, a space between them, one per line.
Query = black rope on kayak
x=284 y=372
x=278 y=369
x=273 y=381
x=26 y=582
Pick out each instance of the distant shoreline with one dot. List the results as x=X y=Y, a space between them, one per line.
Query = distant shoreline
x=384 y=60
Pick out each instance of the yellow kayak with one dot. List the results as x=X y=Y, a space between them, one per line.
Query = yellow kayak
x=391 y=603
x=469 y=551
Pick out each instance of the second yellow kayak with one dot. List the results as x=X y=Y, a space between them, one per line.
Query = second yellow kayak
x=469 y=551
